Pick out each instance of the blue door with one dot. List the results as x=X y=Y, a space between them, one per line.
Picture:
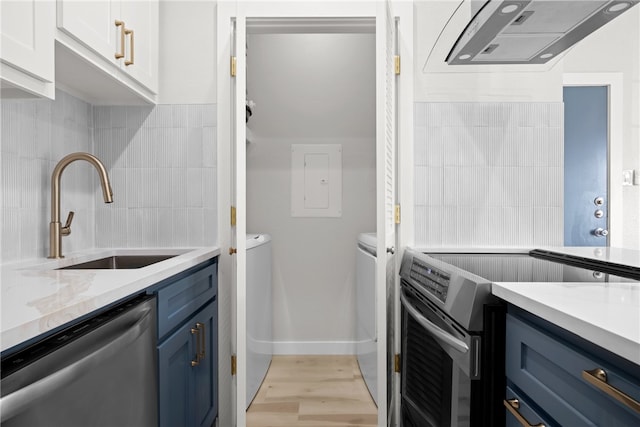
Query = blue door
x=586 y=135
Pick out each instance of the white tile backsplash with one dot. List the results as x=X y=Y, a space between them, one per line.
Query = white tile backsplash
x=165 y=164
x=151 y=153
x=498 y=167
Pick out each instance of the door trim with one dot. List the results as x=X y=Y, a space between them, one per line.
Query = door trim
x=615 y=144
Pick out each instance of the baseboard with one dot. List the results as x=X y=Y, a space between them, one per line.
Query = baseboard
x=314 y=347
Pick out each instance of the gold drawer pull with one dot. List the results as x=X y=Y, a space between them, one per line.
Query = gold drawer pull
x=513 y=405
x=202 y=343
x=131 y=43
x=121 y=25
x=598 y=378
x=197 y=361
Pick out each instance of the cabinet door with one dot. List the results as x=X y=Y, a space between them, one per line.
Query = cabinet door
x=27 y=29
x=142 y=18
x=93 y=24
x=206 y=373
x=176 y=378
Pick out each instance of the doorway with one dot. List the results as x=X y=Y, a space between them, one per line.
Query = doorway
x=232 y=18
x=311 y=88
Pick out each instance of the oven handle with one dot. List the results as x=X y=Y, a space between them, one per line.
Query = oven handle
x=438 y=333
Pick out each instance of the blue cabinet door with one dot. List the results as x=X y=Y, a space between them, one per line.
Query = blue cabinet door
x=175 y=378
x=206 y=373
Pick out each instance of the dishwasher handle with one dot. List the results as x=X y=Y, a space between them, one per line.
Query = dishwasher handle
x=437 y=332
x=14 y=403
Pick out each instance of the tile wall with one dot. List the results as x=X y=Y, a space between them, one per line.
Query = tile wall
x=488 y=174
x=36 y=134
x=161 y=161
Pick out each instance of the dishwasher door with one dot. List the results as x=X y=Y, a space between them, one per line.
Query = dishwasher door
x=100 y=372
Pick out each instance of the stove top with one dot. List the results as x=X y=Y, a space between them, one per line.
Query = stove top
x=515 y=267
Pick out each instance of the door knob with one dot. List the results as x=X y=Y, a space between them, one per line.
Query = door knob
x=601 y=232
x=391 y=250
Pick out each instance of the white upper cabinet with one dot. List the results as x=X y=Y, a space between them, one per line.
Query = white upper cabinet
x=93 y=24
x=119 y=38
x=141 y=44
x=27 y=54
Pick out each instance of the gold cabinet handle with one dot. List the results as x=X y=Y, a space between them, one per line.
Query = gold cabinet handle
x=197 y=361
x=121 y=25
x=203 y=337
x=513 y=405
x=131 y=43
x=598 y=378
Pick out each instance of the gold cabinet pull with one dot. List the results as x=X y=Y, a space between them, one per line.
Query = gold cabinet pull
x=121 y=25
x=197 y=361
x=131 y=43
x=513 y=405
x=598 y=378
x=203 y=337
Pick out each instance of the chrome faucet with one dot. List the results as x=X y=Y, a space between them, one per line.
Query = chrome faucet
x=56 y=230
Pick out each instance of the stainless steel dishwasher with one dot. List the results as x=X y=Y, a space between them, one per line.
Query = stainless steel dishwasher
x=99 y=372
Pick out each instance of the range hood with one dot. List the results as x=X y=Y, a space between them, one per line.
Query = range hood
x=530 y=31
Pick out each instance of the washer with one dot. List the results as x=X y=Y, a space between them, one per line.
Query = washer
x=259 y=312
x=366 y=333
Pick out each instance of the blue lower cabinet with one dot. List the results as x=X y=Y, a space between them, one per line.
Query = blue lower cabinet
x=188 y=349
x=206 y=373
x=188 y=372
x=548 y=369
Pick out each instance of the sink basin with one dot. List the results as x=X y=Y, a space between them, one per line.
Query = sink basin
x=119 y=262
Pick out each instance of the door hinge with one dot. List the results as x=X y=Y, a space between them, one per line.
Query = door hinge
x=396 y=363
x=233 y=364
x=233 y=216
x=396 y=60
x=233 y=66
x=396 y=214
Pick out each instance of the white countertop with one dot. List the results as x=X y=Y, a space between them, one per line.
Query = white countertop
x=607 y=314
x=36 y=298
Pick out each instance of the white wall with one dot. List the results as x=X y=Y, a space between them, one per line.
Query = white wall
x=187 y=52
x=323 y=94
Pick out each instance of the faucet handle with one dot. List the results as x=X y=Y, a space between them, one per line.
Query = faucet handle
x=66 y=230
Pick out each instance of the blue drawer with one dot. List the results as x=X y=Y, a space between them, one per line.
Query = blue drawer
x=549 y=372
x=179 y=300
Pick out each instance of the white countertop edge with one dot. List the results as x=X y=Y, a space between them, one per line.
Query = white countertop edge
x=17 y=331
x=605 y=338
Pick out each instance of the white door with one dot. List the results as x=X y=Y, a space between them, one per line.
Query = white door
x=238 y=236
x=385 y=187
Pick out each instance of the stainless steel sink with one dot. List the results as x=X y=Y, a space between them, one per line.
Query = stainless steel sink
x=119 y=262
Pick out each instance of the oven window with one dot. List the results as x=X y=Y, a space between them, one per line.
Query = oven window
x=426 y=378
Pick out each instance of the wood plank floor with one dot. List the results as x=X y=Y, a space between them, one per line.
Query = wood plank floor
x=313 y=391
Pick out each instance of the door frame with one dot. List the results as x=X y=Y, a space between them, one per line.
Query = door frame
x=615 y=144
x=226 y=11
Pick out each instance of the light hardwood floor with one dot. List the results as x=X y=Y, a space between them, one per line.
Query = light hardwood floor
x=313 y=391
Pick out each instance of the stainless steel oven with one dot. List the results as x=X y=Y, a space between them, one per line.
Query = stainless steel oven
x=452 y=347
x=452 y=370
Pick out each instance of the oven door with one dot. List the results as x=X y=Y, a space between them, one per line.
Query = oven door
x=439 y=360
